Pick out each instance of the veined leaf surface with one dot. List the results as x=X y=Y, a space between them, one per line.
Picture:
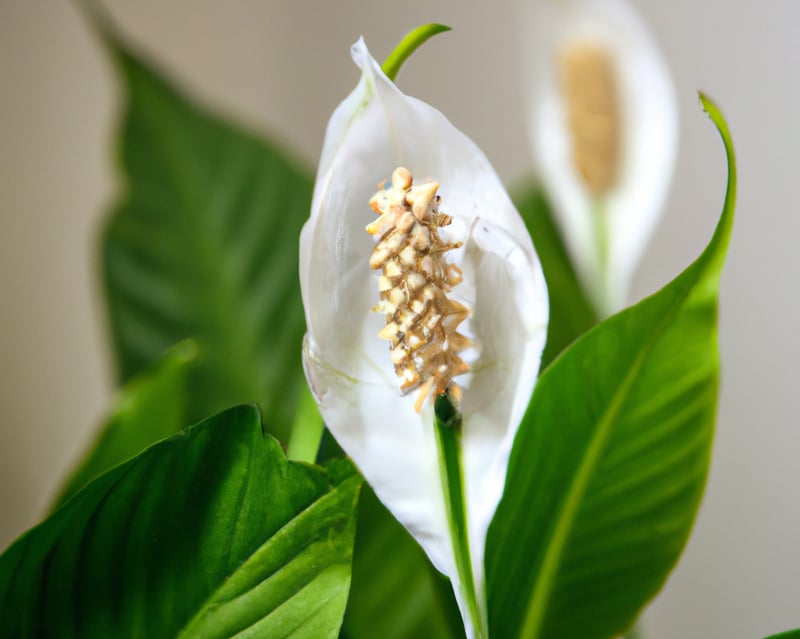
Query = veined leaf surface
x=609 y=464
x=203 y=244
x=208 y=534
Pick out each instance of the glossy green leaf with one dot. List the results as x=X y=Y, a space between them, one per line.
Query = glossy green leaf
x=203 y=243
x=149 y=408
x=608 y=467
x=571 y=313
x=396 y=593
x=208 y=534
x=789 y=634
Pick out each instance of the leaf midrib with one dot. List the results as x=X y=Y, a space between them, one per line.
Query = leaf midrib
x=338 y=492
x=543 y=583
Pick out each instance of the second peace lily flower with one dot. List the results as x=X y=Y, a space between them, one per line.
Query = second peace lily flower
x=434 y=288
x=604 y=124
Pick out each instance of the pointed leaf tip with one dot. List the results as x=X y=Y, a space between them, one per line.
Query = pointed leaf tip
x=707 y=103
x=712 y=110
x=725 y=224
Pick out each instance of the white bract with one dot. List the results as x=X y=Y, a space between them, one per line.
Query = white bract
x=604 y=130
x=349 y=368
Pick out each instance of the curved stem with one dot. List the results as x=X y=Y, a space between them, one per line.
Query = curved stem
x=408 y=45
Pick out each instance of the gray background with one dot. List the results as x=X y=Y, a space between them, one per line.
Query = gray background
x=282 y=67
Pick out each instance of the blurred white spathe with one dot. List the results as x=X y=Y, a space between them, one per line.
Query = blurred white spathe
x=604 y=125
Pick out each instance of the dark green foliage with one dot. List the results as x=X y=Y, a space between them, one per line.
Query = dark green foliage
x=203 y=243
x=207 y=534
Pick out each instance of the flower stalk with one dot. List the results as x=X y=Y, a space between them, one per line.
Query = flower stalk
x=448 y=441
x=307 y=430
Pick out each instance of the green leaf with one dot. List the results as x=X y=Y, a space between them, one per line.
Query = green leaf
x=396 y=593
x=149 y=408
x=208 y=534
x=204 y=244
x=571 y=313
x=608 y=467
x=789 y=634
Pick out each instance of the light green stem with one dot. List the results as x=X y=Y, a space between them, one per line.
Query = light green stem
x=408 y=45
x=601 y=239
x=448 y=440
x=307 y=429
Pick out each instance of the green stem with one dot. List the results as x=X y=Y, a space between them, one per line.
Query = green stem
x=408 y=45
x=307 y=429
x=448 y=441
x=601 y=238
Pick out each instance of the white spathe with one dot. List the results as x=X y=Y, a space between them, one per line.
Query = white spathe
x=648 y=126
x=375 y=130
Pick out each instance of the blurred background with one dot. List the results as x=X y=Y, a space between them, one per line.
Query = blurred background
x=281 y=67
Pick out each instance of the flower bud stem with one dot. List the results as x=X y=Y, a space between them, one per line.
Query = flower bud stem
x=306 y=434
x=408 y=45
x=448 y=440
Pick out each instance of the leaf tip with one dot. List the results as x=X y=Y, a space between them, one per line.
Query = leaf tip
x=437 y=27
x=708 y=105
x=713 y=111
x=101 y=22
x=722 y=233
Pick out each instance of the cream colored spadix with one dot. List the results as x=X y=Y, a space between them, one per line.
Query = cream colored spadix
x=604 y=126
x=348 y=350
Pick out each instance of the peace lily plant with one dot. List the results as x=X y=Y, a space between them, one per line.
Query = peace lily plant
x=554 y=502
x=604 y=128
x=460 y=298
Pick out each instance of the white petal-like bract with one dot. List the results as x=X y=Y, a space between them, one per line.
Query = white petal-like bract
x=374 y=131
